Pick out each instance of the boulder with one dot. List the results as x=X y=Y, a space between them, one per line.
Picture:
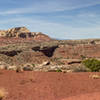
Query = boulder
x=12 y=67
x=28 y=67
x=3 y=33
x=19 y=69
x=44 y=63
x=3 y=65
x=73 y=61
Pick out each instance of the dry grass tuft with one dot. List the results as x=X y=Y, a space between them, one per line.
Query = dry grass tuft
x=3 y=93
x=95 y=76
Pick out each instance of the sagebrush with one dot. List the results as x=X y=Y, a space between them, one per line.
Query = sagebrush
x=92 y=64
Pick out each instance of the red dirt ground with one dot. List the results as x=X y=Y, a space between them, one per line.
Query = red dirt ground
x=49 y=86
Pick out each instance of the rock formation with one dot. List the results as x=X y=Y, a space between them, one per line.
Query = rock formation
x=23 y=32
x=3 y=33
x=41 y=37
x=19 y=46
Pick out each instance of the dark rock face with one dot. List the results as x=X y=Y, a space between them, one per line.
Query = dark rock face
x=47 y=51
x=10 y=53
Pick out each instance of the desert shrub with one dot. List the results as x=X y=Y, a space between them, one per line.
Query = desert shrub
x=94 y=76
x=3 y=93
x=92 y=64
x=80 y=69
x=58 y=70
x=33 y=65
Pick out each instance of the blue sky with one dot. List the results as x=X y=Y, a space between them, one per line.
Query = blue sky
x=63 y=19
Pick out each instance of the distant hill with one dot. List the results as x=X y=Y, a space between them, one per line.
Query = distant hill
x=23 y=32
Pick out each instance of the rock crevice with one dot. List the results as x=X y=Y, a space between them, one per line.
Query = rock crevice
x=10 y=53
x=47 y=51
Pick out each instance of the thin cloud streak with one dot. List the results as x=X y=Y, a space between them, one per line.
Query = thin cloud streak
x=48 y=7
x=64 y=19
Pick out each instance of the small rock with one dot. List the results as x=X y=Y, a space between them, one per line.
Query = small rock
x=44 y=63
x=73 y=61
x=11 y=68
x=19 y=69
x=69 y=71
x=3 y=65
x=28 y=67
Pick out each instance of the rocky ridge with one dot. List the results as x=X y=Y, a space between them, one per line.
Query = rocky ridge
x=23 y=32
x=36 y=51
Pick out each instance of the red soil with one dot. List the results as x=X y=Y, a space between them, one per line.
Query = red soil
x=49 y=86
x=88 y=96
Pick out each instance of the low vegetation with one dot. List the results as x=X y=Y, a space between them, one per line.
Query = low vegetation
x=3 y=93
x=95 y=76
x=58 y=70
x=92 y=64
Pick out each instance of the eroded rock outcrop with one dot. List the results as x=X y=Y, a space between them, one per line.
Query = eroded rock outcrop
x=41 y=37
x=3 y=33
x=23 y=32
x=14 y=32
x=19 y=46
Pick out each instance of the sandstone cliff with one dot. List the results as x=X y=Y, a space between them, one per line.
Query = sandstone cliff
x=23 y=32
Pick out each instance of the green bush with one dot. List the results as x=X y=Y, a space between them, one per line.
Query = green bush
x=58 y=70
x=33 y=65
x=92 y=64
